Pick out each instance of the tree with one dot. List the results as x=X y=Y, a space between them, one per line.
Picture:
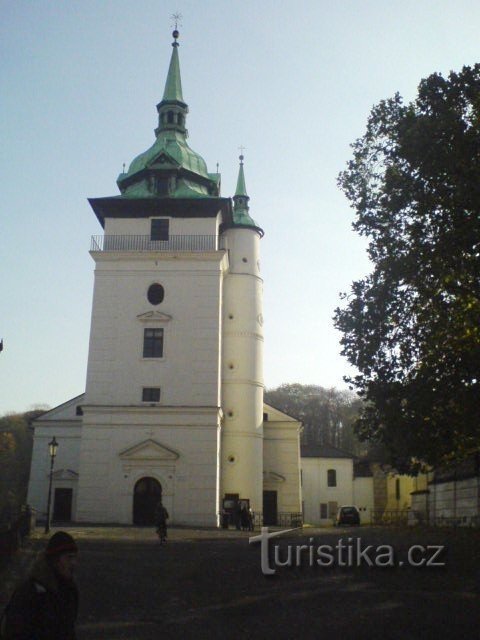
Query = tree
x=16 y=441
x=327 y=414
x=412 y=327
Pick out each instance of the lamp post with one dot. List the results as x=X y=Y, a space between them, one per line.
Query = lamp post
x=52 y=448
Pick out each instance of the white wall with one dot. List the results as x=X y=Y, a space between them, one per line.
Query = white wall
x=177 y=226
x=315 y=489
x=189 y=372
x=68 y=437
x=189 y=482
x=363 y=498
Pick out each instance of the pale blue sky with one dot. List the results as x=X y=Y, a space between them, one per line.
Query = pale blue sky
x=291 y=81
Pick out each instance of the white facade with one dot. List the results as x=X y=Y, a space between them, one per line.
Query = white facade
x=242 y=369
x=328 y=482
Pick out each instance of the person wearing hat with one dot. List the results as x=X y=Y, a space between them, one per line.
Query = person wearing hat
x=45 y=606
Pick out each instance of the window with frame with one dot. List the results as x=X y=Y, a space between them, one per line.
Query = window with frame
x=159 y=229
x=331 y=478
x=153 y=343
x=151 y=394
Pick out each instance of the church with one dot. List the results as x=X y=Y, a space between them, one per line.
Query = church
x=173 y=407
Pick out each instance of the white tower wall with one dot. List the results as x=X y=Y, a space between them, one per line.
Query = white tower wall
x=242 y=369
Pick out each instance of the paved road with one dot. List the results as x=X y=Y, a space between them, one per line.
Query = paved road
x=209 y=584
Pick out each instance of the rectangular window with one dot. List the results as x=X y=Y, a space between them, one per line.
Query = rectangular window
x=331 y=478
x=151 y=394
x=159 y=229
x=323 y=511
x=153 y=343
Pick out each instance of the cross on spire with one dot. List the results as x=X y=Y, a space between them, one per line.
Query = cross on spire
x=176 y=18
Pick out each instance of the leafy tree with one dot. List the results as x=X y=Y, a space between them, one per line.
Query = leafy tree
x=327 y=414
x=412 y=327
x=15 y=455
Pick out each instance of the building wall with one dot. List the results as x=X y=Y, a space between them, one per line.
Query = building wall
x=315 y=489
x=177 y=226
x=406 y=485
x=363 y=498
x=242 y=369
x=281 y=457
x=186 y=469
x=68 y=436
x=189 y=371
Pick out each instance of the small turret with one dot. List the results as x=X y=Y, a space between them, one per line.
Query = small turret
x=241 y=216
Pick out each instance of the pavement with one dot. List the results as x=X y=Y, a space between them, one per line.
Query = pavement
x=208 y=583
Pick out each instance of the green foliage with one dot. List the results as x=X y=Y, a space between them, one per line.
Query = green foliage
x=327 y=414
x=16 y=440
x=412 y=327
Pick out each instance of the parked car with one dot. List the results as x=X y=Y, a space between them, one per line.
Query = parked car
x=347 y=515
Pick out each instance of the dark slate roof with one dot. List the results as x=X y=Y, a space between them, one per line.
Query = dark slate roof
x=323 y=451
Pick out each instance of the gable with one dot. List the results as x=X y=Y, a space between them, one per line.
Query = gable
x=64 y=474
x=154 y=316
x=148 y=450
x=163 y=161
x=275 y=415
x=65 y=411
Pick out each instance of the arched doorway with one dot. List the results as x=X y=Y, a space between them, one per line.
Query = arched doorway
x=146 y=495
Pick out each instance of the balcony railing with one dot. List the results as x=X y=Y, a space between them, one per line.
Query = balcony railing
x=145 y=243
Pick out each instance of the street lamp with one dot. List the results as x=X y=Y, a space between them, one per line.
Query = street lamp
x=52 y=449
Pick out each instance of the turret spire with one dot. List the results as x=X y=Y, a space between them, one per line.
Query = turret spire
x=172 y=110
x=241 y=216
x=173 y=85
x=241 y=188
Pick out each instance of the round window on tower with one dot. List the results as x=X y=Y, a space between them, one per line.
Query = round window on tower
x=155 y=293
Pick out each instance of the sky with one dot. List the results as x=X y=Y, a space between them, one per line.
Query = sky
x=292 y=82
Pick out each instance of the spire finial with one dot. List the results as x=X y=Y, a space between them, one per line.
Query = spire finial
x=241 y=156
x=176 y=18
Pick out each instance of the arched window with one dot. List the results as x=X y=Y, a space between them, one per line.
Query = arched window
x=332 y=478
x=170 y=117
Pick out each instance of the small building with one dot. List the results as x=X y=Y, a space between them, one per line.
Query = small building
x=329 y=481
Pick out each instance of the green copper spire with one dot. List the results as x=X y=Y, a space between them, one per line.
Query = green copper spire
x=173 y=85
x=241 y=215
x=241 y=188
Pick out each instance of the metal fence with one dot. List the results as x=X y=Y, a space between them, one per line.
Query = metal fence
x=283 y=519
x=392 y=517
x=145 y=243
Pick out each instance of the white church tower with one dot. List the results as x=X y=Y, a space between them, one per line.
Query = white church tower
x=152 y=411
x=242 y=358
x=173 y=407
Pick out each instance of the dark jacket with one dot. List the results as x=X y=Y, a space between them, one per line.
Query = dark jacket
x=42 y=608
x=161 y=515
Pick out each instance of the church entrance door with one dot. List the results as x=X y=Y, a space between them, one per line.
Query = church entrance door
x=146 y=495
x=269 y=508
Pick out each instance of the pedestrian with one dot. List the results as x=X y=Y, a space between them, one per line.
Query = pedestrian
x=238 y=516
x=45 y=606
x=251 y=519
x=244 y=518
x=161 y=517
